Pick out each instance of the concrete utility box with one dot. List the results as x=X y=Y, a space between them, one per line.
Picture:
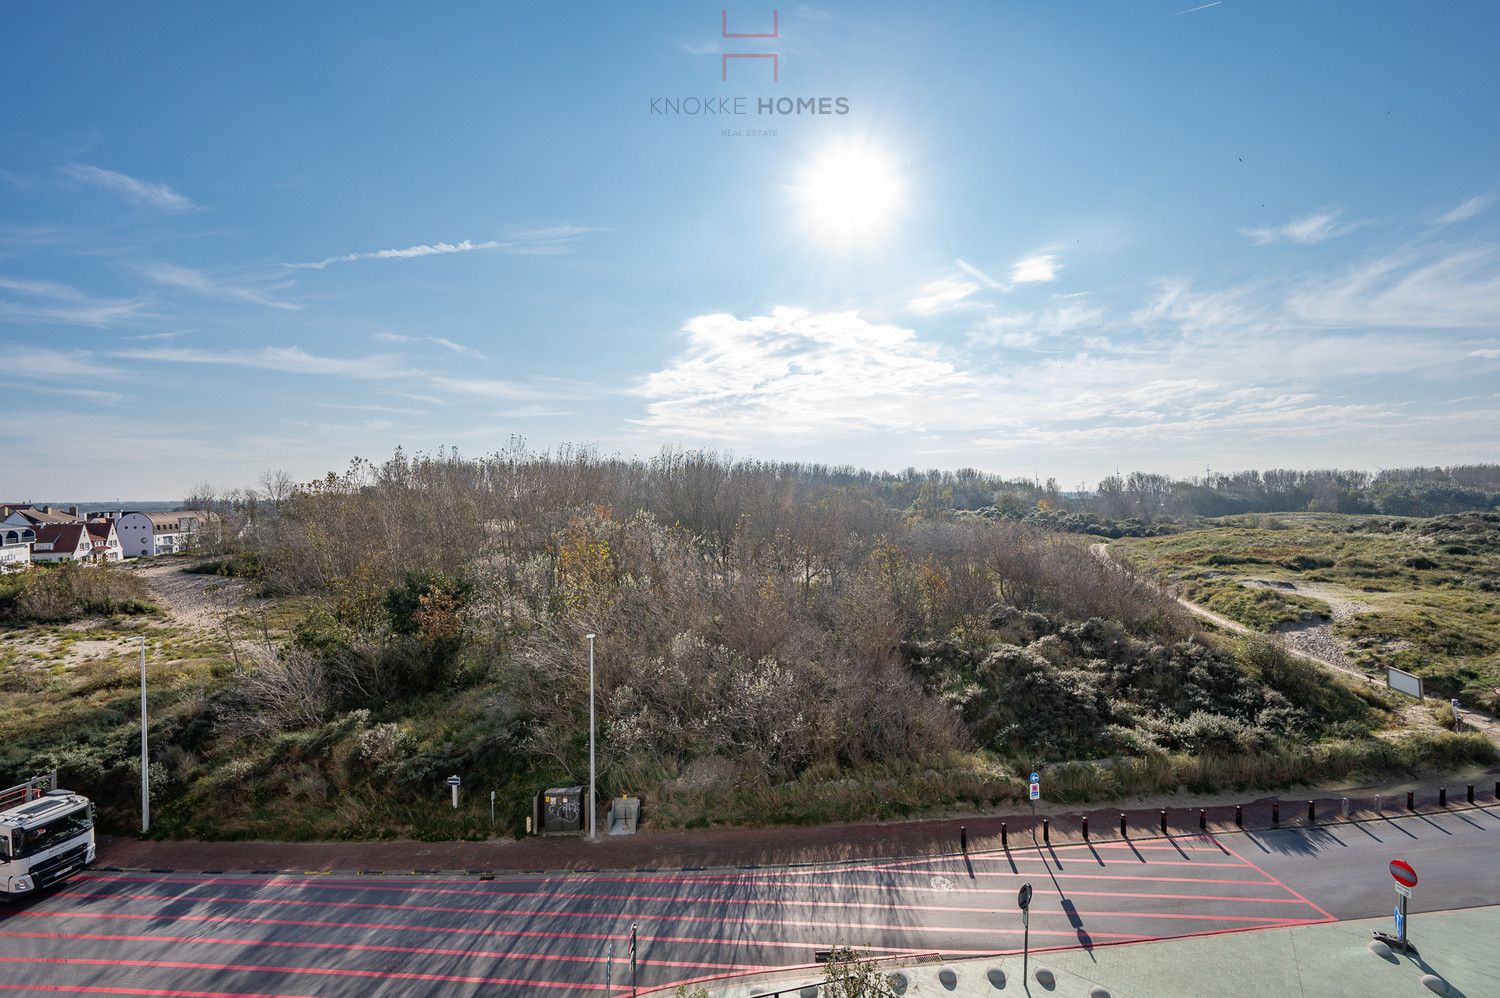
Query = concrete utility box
x=561 y=810
x=624 y=815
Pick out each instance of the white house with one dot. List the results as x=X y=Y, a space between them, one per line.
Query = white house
x=105 y=540
x=62 y=542
x=15 y=548
x=145 y=535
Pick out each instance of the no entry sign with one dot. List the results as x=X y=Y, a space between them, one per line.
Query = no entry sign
x=1403 y=874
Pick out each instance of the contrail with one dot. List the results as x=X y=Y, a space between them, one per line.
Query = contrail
x=1201 y=6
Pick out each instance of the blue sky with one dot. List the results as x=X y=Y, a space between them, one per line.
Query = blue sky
x=1054 y=238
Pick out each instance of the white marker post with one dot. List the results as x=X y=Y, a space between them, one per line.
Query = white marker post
x=453 y=782
x=593 y=831
x=145 y=758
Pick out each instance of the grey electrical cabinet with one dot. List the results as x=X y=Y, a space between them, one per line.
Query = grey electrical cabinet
x=561 y=809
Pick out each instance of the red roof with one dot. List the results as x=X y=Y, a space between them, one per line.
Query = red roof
x=64 y=537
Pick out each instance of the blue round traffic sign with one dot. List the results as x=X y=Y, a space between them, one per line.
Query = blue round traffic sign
x=1036 y=777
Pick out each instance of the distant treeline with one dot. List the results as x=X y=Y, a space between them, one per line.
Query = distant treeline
x=710 y=492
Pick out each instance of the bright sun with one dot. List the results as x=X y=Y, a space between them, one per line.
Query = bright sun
x=849 y=193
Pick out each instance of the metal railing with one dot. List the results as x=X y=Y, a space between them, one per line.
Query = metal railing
x=32 y=789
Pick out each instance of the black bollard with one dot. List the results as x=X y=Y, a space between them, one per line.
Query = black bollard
x=1202 y=820
x=1239 y=816
x=1004 y=837
x=1124 y=832
x=1471 y=793
x=1442 y=796
x=1047 y=830
x=1085 y=828
x=1164 y=821
x=963 y=838
x=1411 y=800
x=1497 y=789
x=1312 y=815
x=1276 y=813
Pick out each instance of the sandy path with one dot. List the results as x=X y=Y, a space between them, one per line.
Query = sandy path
x=1417 y=713
x=198 y=601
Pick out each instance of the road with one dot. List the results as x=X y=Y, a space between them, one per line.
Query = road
x=234 y=935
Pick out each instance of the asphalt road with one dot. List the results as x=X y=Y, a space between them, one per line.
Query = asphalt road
x=227 y=935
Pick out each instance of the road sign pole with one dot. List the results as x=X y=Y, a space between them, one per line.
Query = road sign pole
x=632 y=960
x=1023 y=901
x=1403 y=921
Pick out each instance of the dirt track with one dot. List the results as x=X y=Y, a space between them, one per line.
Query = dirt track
x=1417 y=713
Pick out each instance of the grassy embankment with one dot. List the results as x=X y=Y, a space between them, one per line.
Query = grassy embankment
x=1424 y=593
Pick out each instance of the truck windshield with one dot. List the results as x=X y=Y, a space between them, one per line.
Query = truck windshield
x=30 y=841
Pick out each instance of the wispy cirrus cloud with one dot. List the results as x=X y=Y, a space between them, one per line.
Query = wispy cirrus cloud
x=385 y=336
x=171 y=275
x=45 y=362
x=289 y=360
x=1465 y=210
x=1310 y=229
x=48 y=301
x=544 y=241
x=942 y=294
x=1435 y=289
x=141 y=192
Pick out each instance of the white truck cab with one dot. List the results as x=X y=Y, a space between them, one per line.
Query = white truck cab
x=44 y=841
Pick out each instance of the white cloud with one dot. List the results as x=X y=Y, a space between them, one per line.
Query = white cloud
x=385 y=336
x=391 y=410
x=1025 y=329
x=290 y=360
x=798 y=372
x=1465 y=210
x=60 y=303
x=1489 y=353
x=488 y=388
x=981 y=276
x=941 y=295
x=1447 y=289
x=543 y=241
x=531 y=412
x=171 y=275
x=1034 y=269
x=41 y=362
x=1314 y=228
x=138 y=191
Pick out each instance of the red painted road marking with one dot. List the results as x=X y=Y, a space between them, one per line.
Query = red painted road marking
x=689 y=917
x=672 y=879
x=519 y=933
x=99 y=989
x=777 y=901
x=258 y=968
x=366 y=947
x=1283 y=886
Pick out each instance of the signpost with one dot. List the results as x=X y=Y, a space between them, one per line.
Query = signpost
x=1023 y=901
x=1036 y=795
x=1405 y=878
x=453 y=782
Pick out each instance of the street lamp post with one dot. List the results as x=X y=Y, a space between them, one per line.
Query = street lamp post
x=145 y=759
x=593 y=830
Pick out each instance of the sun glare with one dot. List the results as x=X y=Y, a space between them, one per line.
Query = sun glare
x=849 y=193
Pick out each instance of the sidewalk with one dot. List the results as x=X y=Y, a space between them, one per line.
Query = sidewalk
x=776 y=846
x=1457 y=949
